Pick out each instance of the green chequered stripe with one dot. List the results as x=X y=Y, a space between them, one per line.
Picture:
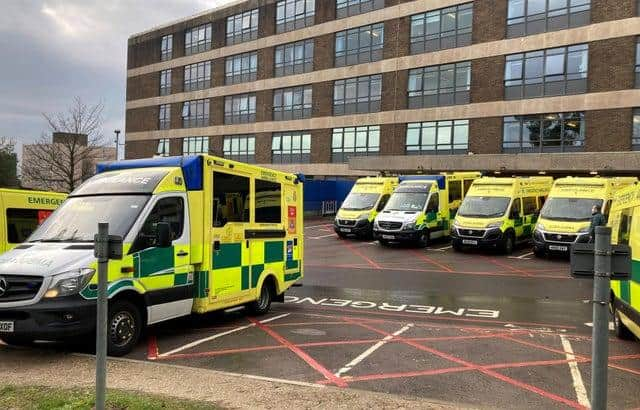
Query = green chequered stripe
x=256 y=271
x=273 y=251
x=292 y=264
x=244 y=284
x=152 y=260
x=292 y=276
x=229 y=256
x=181 y=279
x=91 y=291
x=202 y=284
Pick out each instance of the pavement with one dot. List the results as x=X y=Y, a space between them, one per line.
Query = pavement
x=470 y=329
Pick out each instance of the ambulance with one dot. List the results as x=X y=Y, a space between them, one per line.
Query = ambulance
x=191 y=245
x=499 y=213
x=367 y=198
x=566 y=215
x=422 y=207
x=21 y=212
x=624 y=220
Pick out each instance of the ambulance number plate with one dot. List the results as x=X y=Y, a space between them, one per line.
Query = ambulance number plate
x=469 y=242
x=388 y=237
x=558 y=248
x=6 y=327
x=347 y=230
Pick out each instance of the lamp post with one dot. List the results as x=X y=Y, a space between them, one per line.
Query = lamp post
x=117 y=132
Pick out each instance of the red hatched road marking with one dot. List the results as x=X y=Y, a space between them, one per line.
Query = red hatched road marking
x=300 y=353
x=152 y=349
x=353 y=249
x=431 y=261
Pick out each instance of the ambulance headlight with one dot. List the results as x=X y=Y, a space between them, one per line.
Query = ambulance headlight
x=69 y=283
x=364 y=216
x=495 y=224
x=540 y=227
x=584 y=230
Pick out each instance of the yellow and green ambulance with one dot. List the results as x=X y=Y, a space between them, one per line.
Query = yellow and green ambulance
x=22 y=211
x=624 y=220
x=367 y=198
x=200 y=233
x=499 y=213
x=566 y=215
x=422 y=207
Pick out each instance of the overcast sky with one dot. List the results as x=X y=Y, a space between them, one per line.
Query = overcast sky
x=53 y=50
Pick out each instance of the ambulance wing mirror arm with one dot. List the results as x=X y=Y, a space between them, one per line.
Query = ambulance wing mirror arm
x=163 y=235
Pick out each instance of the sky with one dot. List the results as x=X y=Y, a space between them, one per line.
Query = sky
x=54 y=50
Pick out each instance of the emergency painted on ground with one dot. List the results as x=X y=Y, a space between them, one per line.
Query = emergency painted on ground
x=392 y=307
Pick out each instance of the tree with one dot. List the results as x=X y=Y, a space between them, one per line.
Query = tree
x=8 y=163
x=63 y=162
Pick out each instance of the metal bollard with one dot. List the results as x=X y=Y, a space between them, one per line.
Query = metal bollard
x=102 y=253
x=600 y=335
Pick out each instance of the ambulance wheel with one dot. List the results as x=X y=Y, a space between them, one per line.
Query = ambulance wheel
x=424 y=239
x=16 y=340
x=621 y=331
x=508 y=244
x=263 y=304
x=383 y=242
x=123 y=328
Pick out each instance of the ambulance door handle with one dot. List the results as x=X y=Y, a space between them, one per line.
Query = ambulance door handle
x=216 y=245
x=182 y=253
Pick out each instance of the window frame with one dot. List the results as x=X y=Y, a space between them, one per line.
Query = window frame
x=346 y=55
x=195 y=145
x=195 y=120
x=302 y=16
x=199 y=82
x=287 y=153
x=245 y=216
x=165 y=82
x=242 y=35
x=420 y=41
x=166 y=47
x=200 y=45
x=254 y=197
x=438 y=147
x=635 y=129
x=240 y=148
x=348 y=8
x=164 y=116
x=283 y=111
x=240 y=115
x=341 y=153
x=440 y=96
x=359 y=104
x=164 y=147
x=512 y=145
x=294 y=65
x=560 y=18
x=240 y=73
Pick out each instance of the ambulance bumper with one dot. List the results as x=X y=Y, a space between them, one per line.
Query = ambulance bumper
x=542 y=243
x=360 y=228
x=400 y=236
x=492 y=239
x=51 y=319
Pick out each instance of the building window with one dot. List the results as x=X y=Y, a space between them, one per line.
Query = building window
x=291 y=148
x=357 y=95
x=346 y=8
x=526 y=17
x=197 y=76
x=195 y=145
x=294 y=14
x=359 y=45
x=635 y=139
x=439 y=85
x=164 y=117
x=166 y=47
x=242 y=27
x=440 y=29
x=294 y=58
x=292 y=103
x=163 y=147
x=197 y=39
x=555 y=71
x=354 y=141
x=241 y=68
x=240 y=109
x=195 y=113
x=165 y=82
x=544 y=133
x=638 y=57
x=240 y=148
x=438 y=137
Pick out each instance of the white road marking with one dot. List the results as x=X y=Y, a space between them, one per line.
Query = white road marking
x=578 y=384
x=218 y=335
x=611 y=325
x=526 y=256
x=445 y=248
x=370 y=350
x=322 y=236
x=436 y=250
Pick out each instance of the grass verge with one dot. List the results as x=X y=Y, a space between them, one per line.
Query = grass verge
x=46 y=398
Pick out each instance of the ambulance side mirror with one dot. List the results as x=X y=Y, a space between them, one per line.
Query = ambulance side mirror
x=163 y=235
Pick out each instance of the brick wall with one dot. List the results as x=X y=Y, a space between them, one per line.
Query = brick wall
x=611 y=64
x=608 y=130
x=394 y=90
x=393 y=139
x=264 y=105
x=489 y=20
x=323 y=52
x=142 y=119
x=143 y=86
x=216 y=144
x=266 y=60
x=487 y=79
x=485 y=135
x=323 y=99
x=325 y=11
x=607 y=10
x=396 y=37
x=139 y=149
x=263 y=148
x=321 y=146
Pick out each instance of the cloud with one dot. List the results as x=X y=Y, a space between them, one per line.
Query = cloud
x=53 y=50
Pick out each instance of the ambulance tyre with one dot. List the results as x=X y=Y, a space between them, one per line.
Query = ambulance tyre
x=621 y=331
x=124 y=327
x=384 y=242
x=263 y=304
x=424 y=239
x=508 y=244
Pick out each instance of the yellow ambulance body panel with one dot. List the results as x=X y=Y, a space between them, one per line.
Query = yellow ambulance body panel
x=499 y=212
x=624 y=220
x=566 y=215
x=22 y=211
x=367 y=198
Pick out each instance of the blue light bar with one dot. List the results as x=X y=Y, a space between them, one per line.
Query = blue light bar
x=191 y=167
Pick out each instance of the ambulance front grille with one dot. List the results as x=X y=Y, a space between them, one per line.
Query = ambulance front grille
x=390 y=226
x=17 y=288
x=347 y=222
x=557 y=237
